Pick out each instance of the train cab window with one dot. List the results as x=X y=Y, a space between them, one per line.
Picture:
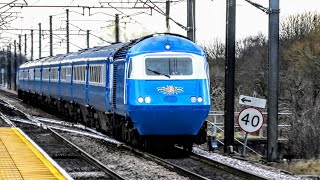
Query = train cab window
x=179 y=66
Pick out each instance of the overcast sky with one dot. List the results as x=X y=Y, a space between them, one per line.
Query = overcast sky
x=210 y=21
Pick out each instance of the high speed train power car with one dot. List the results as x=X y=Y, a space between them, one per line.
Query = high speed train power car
x=152 y=90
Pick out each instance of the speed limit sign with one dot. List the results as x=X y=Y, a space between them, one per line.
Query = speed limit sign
x=250 y=120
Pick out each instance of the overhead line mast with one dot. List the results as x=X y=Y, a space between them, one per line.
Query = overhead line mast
x=229 y=77
x=273 y=77
x=67 y=29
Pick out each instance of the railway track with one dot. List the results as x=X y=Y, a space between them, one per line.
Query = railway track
x=78 y=163
x=74 y=160
x=193 y=166
x=41 y=130
x=211 y=168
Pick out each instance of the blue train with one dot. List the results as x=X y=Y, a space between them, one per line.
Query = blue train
x=152 y=90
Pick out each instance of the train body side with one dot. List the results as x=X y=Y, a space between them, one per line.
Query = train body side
x=72 y=81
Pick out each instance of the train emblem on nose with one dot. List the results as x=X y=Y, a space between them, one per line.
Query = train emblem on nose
x=170 y=90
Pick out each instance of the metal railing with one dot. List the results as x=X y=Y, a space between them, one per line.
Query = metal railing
x=219 y=126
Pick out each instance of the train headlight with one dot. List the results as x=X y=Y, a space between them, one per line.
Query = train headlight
x=200 y=99
x=147 y=99
x=140 y=99
x=193 y=99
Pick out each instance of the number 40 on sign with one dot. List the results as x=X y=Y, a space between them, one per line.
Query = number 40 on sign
x=250 y=120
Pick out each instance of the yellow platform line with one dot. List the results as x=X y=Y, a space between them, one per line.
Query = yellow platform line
x=18 y=155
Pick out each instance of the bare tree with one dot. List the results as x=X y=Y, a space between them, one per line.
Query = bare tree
x=215 y=53
x=301 y=55
x=299 y=25
x=252 y=65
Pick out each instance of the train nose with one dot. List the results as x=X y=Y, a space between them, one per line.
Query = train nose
x=169 y=120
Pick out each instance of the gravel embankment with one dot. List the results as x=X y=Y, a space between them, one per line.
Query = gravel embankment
x=262 y=170
x=124 y=162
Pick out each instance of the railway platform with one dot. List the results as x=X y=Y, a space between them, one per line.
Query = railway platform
x=21 y=158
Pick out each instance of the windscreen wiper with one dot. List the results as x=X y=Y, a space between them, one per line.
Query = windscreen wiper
x=159 y=73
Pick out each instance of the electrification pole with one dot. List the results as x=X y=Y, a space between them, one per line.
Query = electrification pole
x=273 y=81
x=31 y=45
x=14 y=67
x=191 y=8
x=168 y=15
x=9 y=66
x=117 y=28
x=20 y=54
x=50 y=32
x=25 y=45
x=39 y=40
x=229 y=77
x=88 y=36
x=67 y=28
x=2 y=60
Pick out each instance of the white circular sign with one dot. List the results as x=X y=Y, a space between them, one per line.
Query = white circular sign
x=250 y=120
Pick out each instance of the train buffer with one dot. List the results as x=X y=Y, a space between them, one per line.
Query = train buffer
x=21 y=158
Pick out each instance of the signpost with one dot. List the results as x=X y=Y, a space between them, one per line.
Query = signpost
x=252 y=101
x=250 y=120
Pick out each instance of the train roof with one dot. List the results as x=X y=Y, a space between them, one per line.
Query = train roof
x=165 y=42
x=95 y=53
x=147 y=44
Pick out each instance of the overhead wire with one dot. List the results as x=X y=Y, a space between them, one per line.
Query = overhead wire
x=35 y=3
x=8 y=4
x=101 y=13
x=69 y=41
x=126 y=15
x=91 y=34
x=147 y=3
x=164 y=14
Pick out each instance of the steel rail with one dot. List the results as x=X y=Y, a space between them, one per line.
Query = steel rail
x=5 y=119
x=164 y=163
x=41 y=122
x=85 y=155
x=225 y=167
x=87 y=134
x=88 y=157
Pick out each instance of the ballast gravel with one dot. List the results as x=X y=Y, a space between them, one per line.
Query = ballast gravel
x=132 y=167
x=124 y=162
x=262 y=170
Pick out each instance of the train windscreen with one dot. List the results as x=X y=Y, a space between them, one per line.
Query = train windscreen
x=168 y=66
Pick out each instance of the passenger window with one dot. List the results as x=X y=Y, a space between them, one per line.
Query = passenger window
x=96 y=74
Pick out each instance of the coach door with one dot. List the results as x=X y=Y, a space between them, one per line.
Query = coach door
x=114 y=85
